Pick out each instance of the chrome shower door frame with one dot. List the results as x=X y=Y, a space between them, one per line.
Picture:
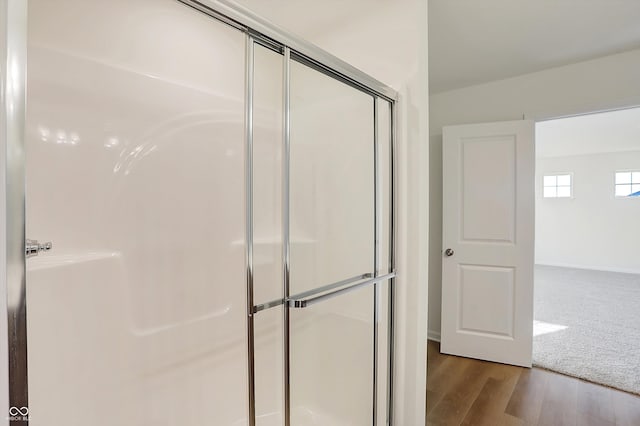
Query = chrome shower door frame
x=350 y=76
x=13 y=52
x=13 y=47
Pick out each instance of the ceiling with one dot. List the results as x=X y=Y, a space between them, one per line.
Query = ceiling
x=470 y=42
x=473 y=42
x=615 y=131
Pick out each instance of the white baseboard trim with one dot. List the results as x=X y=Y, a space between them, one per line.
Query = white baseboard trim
x=590 y=267
x=433 y=335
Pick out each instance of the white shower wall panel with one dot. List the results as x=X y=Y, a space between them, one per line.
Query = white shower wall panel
x=135 y=171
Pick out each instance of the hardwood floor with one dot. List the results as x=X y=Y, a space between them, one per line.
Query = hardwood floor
x=463 y=391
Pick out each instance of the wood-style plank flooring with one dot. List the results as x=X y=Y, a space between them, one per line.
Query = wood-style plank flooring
x=463 y=391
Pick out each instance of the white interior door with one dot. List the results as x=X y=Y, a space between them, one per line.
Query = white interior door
x=488 y=238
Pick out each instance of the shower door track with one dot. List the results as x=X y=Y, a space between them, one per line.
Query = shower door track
x=277 y=38
x=13 y=16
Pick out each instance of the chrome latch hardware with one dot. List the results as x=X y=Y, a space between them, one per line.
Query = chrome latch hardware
x=33 y=248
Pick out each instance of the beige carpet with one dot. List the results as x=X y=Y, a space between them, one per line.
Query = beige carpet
x=587 y=325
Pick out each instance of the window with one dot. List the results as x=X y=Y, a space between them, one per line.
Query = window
x=557 y=186
x=628 y=184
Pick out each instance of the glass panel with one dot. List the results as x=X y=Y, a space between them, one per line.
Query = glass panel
x=384 y=182
x=331 y=180
x=623 y=190
x=635 y=177
x=136 y=173
x=267 y=175
x=332 y=361
x=268 y=366
x=564 y=191
x=564 y=180
x=635 y=189
x=550 y=180
x=623 y=177
x=550 y=191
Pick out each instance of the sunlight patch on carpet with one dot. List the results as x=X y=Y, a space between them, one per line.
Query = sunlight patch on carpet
x=540 y=328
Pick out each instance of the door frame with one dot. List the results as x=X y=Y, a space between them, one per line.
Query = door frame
x=538 y=118
x=543 y=118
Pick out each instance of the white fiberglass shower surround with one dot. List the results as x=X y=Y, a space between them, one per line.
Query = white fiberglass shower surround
x=220 y=201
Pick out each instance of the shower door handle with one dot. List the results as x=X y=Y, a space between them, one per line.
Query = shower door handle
x=33 y=248
x=303 y=303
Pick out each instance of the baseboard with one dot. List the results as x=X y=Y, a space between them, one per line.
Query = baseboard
x=433 y=335
x=590 y=267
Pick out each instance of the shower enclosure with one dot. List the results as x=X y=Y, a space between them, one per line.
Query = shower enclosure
x=219 y=200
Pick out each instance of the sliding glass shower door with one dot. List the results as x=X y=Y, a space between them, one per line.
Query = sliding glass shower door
x=332 y=240
x=220 y=211
x=320 y=245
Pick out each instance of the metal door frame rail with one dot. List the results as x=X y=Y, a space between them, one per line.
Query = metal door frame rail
x=376 y=256
x=286 y=235
x=13 y=46
x=248 y=173
x=393 y=133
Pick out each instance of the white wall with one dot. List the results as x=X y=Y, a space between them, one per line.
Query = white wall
x=600 y=84
x=594 y=229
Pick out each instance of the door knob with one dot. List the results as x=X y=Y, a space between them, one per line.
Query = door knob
x=448 y=252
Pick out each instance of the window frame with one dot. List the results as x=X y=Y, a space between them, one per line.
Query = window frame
x=616 y=184
x=556 y=186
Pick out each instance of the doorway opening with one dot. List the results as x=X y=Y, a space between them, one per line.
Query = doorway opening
x=587 y=250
